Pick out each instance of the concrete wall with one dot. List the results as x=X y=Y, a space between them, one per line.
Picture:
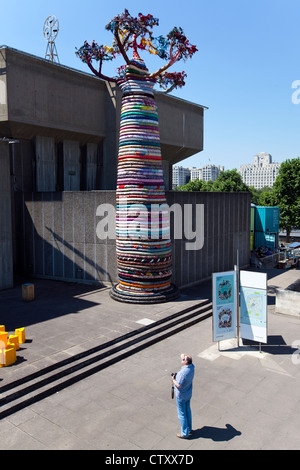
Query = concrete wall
x=6 y=263
x=51 y=100
x=40 y=99
x=45 y=160
x=56 y=235
x=288 y=300
x=181 y=127
x=66 y=124
x=226 y=229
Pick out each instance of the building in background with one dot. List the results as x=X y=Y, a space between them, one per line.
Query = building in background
x=183 y=175
x=195 y=173
x=180 y=176
x=211 y=172
x=261 y=173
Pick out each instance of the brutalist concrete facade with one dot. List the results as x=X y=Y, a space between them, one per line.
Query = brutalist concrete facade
x=6 y=242
x=63 y=126
x=61 y=165
x=58 y=235
x=66 y=114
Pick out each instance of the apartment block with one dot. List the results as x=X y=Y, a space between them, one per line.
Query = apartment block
x=183 y=175
x=262 y=172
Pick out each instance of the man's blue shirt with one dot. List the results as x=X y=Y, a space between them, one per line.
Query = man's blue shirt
x=184 y=378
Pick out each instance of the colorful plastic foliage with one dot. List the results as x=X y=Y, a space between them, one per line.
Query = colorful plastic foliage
x=143 y=244
x=136 y=33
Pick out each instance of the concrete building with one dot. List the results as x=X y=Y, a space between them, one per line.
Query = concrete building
x=262 y=172
x=183 y=175
x=211 y=172
x=180 y=176
x=67 y=124
x=65 y=128
x=6 y=245
x=59 y=131
x=58 y=235
x=195 y=173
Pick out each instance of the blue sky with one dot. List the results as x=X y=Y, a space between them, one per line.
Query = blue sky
x=248 y=58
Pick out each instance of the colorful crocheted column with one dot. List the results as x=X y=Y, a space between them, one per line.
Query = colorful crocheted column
x=143 y=244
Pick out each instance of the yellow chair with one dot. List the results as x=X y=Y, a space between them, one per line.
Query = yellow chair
x=8 y=356
x=3 y=339
x=14 y=341
x=20 y=332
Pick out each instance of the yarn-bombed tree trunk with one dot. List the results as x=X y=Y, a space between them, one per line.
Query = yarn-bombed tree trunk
x=143 y=245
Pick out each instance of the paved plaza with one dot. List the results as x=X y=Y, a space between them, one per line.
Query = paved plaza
x=242 y=398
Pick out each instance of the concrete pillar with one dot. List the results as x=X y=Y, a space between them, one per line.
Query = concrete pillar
x=167 y=172
x=92 y=167
x=72 y=168
x=112 y=105
x=6 y=256
x=45 y=164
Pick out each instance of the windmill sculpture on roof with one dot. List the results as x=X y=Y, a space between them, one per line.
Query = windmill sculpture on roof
x=50 y=31
x=143 y=245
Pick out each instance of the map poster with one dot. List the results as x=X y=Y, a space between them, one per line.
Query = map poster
x=253 y=309
x=224 y=305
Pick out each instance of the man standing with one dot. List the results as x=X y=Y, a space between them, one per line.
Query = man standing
x=183 y=393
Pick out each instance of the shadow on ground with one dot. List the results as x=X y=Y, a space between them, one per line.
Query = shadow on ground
x=216 y=434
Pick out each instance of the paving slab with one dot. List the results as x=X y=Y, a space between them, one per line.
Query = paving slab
x=242 y=398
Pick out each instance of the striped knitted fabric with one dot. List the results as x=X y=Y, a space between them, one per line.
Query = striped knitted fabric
x=142 y=221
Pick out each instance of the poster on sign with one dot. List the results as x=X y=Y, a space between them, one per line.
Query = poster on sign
x=253 y=309
x=224 y=305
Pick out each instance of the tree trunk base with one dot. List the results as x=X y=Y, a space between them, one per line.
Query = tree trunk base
x=147 y=298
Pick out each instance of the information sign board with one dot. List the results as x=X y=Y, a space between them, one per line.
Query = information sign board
x=253 y=306
x=224 y=305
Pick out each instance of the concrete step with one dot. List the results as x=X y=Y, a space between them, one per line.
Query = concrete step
x=36 y=386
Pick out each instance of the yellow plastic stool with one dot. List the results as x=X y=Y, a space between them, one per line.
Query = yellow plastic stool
x=8 y=356
x=20 y=332
x=14 y=341
x=2 y=328
x=3 y=339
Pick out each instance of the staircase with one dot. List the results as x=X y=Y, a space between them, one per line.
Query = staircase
x=25 y=391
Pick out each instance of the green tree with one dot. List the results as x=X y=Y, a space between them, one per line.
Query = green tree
x=230 y=181
x=267 y=198
x=286 y=191
x=209 y=185
x=256 y=194
x=196 y=185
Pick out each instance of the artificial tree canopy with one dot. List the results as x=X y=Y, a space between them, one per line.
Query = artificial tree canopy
x=136 y=33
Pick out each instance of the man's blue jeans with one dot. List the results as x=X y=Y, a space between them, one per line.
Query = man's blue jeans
x=184 y=416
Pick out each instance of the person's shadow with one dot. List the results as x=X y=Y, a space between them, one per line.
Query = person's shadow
x=216 y=434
